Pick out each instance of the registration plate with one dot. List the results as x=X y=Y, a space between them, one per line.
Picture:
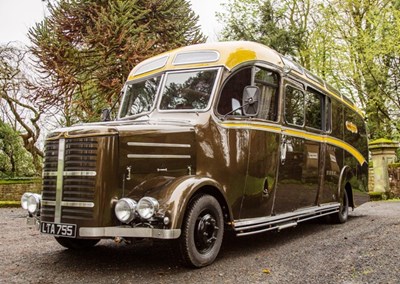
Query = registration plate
x=61 y=230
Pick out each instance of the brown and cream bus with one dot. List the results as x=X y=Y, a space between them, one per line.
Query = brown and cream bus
x=208 y=138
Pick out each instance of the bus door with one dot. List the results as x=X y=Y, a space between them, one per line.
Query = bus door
x=301 y=151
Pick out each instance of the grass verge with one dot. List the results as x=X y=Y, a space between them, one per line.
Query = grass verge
x=8 y=204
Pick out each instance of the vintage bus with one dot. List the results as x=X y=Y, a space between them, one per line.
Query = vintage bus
x=208 y=138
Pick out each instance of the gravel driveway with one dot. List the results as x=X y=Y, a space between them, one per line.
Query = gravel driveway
x=364 y=250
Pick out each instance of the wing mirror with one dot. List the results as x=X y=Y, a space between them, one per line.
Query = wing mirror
x=106 y=114
x=251 y=95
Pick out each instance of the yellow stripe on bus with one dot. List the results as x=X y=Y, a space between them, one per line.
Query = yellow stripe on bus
x=301 y=134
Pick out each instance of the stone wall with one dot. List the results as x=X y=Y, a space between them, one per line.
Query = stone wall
x=394 y=182
x=13 y=192
x=371 y=180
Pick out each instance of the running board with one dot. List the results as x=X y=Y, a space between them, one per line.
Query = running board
x=279 y=222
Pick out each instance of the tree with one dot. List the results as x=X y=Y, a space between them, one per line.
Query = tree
x=284 y=25
x=354 y=45
x=86 y=48
x=369 y=44
x=21 y=115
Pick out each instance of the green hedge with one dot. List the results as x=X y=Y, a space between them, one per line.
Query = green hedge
x=20 y=180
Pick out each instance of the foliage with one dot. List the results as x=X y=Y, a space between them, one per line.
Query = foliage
x=86 y=48
x=15 y=160
x=354 y=45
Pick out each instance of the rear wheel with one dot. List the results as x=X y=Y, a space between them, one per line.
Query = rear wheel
x=202 y=232
x=343 y=214
x=76 y=244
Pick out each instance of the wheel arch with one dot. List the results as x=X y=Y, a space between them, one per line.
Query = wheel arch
x=216 y=193
x=344 y=184
x=178 y=195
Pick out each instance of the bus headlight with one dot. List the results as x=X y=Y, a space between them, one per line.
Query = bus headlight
x=125 y=210
x=24 y=200
x=33 y=203
x=147 y=207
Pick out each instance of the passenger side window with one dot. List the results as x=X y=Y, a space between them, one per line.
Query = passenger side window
x=294 y=106
x=268 y=83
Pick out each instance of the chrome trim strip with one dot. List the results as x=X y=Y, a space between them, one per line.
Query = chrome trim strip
x=71 y=173
x=99 y=232
x=148 y=156
x=69 y=204
x=80 y=173
x=277 y=227
x=145 y=144
x=60 y=180
x=271 y=220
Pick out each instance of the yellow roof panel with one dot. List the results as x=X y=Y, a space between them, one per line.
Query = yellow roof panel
x=231 y=54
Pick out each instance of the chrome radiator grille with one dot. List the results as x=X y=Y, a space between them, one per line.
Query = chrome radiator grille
x=69 y=179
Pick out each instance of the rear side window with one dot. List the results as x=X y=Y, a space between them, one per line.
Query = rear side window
x=294 y=106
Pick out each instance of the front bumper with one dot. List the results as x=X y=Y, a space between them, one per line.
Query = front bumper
x=120 y=231
x=128 y=232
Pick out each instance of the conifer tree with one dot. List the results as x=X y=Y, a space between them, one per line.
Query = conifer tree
x=86 y=48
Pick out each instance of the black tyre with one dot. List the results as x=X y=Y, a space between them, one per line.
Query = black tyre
x=76 y=244
x=202 y=232
x=343 y=214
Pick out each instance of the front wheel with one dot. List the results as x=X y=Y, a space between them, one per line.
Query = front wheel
x=76 y=244
x=202 y=232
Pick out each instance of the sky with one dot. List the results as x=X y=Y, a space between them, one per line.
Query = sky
x=17 y=16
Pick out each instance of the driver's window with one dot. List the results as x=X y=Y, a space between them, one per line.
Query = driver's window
x=267 y=81
x=230 y=101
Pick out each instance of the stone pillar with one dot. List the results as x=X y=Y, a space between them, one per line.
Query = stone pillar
x=383 y=152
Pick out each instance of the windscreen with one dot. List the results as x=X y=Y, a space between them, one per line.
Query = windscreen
x=188 y=90
x=139 y=97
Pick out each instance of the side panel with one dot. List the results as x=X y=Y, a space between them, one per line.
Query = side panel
x=333 y=155
x=298 y=175
x=261 y=176
x=355 y=135
x=222 y=154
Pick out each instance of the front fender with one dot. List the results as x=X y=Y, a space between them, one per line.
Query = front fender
x=175 y=196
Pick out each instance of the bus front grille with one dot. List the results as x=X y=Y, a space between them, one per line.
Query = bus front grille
x=69 y=179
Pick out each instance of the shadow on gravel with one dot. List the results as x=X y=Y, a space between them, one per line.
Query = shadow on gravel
x=235 y=246
x=157 y=258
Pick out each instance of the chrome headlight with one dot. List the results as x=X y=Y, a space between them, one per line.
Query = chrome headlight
x=24 y=200
x=33 y=203
x=125 y=210
x=147 y=207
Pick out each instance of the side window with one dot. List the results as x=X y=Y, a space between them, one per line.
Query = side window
x=328 y=114
x=318 y=111
x=268 y=82
x=294 y=106
x=230 y=100
x=314 y=110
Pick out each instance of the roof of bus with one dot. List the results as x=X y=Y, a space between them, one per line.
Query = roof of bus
x=228 y=54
